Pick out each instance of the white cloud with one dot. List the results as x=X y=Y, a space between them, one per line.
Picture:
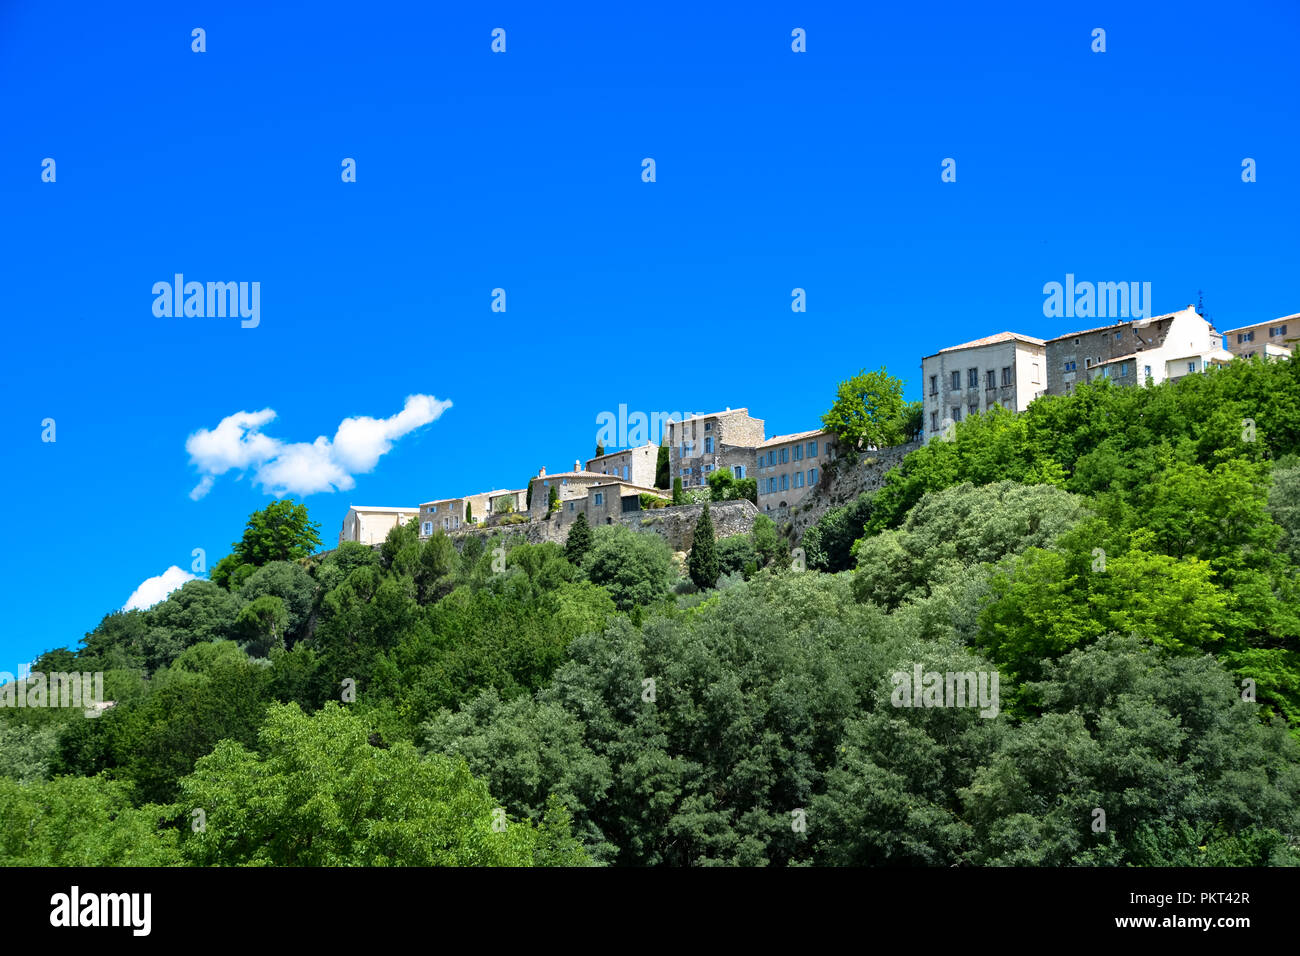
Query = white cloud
x=153 y=590
x=238 y=443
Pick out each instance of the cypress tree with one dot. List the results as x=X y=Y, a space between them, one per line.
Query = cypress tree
x=677 y=491
x=703 y=564
x=579 y=541
x=553 y=499
x=469 y=512
x=661 y=467
x=600 y=449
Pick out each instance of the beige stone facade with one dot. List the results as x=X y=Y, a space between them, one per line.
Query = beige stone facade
x=448 y=514
x=700 y=445
x=1277 y=338
x=1006 y=369
x=370 y=525
x=569 y=484
x=636 y=465
x=788 y=467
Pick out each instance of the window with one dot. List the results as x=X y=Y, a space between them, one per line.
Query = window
x=1087 y=363
x=428 y=527
x=1276 y=330
x=1123 y=371
x=1118 y=336
x=688 y=449
x=934 y=421
x=1071 y=366
x=785 y=455
x=956 y=413
x=798 y=452
x=992 y=379
x=771 y=456
x=708 y=426
x=1034 y=370
x=798 y=479
x=785 y=482
x=564 y=481
x=812 y=476
x=812 y=449
x=706 y=469
x=972 y=409
x=934 y=384
x=708 y=445
x=570 y=505
x=1246 y=336
x=1006 y=375
x=1146 y=371
x=738 y=471
x=625 y=472
x=956 y=380
x=973 y=378
x=771 y=486
x=1191 y=366
x=600 y=497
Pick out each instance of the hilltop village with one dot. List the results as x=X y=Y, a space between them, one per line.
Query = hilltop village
x=1007 y=369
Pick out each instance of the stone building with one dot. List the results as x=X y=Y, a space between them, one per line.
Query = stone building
x=787 y=467
x=370 y=525
x=698 y=446
x=607 y=501
x=569 y=484
x=1162 y=348
x=636 y=465
x=1275 y=339
x=1006 y=369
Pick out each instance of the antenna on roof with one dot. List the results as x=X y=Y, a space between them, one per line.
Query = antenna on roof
x=1200 y=303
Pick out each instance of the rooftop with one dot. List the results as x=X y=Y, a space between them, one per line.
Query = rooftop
x=796 y=436
x=1256 y=325
x=991 y=340
x=380 y=508
x=1119 y=322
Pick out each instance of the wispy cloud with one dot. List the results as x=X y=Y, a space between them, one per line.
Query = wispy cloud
x=152 y=590
x=302 y=468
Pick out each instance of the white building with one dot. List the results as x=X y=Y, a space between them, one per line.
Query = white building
x=1006 y=369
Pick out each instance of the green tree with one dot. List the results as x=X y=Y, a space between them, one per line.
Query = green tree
x=579 y=541
x=553 y=500
x=600 y=449
x=703 y=563
x=636 y=569
x=80 y=821
x=662 y=473
x=317 y=792
x=677 y=490
x=261 y=625
x=868 y=410
x=282 y=531
x=469 y=512
x=767 y=542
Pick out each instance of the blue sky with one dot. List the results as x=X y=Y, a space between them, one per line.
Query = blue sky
x=522 y=171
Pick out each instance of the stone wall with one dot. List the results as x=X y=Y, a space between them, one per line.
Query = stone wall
x=838 y=486
x=675 y=524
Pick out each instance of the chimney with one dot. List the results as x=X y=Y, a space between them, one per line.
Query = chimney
x=577 y=465
x=542 y=473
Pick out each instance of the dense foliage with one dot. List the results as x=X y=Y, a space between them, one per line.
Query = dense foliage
x=1124 y=561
